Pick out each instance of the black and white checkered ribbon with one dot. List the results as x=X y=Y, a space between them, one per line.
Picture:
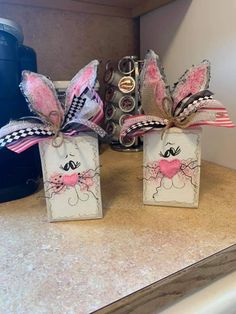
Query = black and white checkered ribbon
x=76 y=106
x=142 y=125
x=23 y=133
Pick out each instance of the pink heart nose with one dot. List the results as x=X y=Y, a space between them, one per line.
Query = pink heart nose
x=70 y=180
x=169 y=168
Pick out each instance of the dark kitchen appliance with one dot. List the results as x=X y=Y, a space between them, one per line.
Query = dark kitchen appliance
x=19 y=173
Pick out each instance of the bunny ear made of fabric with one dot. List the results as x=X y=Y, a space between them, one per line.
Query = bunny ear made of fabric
x=194 y=80
x=85 y=78
x=153 y=85
x=42 y=99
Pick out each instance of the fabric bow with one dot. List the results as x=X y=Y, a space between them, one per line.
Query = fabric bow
x=83 y=110
x=189 y=104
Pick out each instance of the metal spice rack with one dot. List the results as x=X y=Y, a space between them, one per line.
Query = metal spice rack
x=122 y=99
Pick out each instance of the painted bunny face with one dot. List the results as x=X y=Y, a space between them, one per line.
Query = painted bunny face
x=176 y=168
x=68 y=173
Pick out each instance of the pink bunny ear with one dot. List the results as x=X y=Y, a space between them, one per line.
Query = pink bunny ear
x=193 y=81
x=152 y=79
x=86 y=77
x=41 y=95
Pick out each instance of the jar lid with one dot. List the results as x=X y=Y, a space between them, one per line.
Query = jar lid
x=12 y=28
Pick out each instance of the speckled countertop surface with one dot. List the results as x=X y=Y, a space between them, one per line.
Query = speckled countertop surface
x=78 y=267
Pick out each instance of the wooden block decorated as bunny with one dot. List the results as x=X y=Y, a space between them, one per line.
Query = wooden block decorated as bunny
x=171 y=130
x=171 y=170
x=67 y=135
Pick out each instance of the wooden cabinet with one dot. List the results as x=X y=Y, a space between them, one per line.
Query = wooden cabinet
x=121 y=8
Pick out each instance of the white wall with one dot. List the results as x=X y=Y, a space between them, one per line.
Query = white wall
x=184 y=33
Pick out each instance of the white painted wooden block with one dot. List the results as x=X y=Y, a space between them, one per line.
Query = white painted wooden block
x=71 y=175
x=172 y=167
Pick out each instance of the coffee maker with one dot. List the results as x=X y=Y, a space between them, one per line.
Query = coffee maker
x=19 y=173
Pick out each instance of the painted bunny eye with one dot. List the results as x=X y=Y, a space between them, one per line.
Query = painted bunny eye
x=67 y=166
x=177 y=151
x=70 y=165
x=171 y=151
x=166 y=154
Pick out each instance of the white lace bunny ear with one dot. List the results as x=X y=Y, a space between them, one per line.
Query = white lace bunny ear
x=42 y=98
x=153 y=85
x=85 y=78
x=194 y=80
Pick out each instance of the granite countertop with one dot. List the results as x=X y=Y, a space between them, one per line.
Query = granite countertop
x=82 y=266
